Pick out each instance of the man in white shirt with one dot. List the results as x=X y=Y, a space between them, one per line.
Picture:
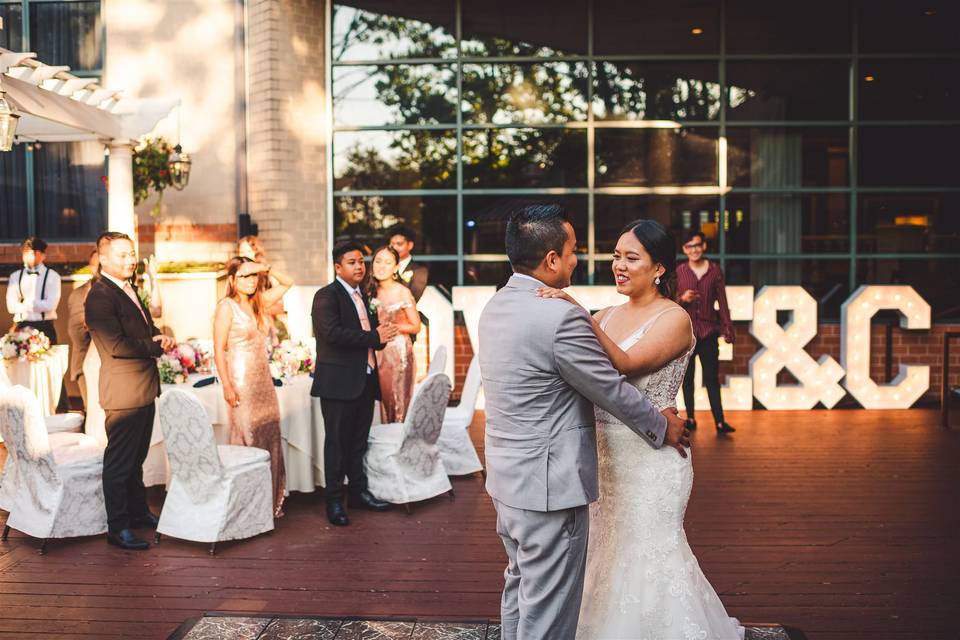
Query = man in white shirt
x=33 y=292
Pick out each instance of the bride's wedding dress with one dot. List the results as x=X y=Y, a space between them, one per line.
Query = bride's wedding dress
x=642 y=580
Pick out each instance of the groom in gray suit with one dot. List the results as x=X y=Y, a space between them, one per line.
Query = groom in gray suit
x=543 y=371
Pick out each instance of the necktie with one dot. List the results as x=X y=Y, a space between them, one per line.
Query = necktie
x=365 y=323
x=127 y=289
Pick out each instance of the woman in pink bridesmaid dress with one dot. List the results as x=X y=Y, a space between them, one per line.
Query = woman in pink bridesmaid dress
x=241 y=337
x=394 y=303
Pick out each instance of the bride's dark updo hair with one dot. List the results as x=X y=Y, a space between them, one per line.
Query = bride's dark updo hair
x=659 y=243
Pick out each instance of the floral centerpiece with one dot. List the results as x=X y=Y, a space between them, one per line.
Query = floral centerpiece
x=186 y=358
x=291 y=358
x=24 y=344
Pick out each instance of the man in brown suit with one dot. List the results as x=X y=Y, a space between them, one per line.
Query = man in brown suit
x=77 y=327
x=129 y=344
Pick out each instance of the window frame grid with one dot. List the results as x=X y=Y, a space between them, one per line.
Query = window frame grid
x=853 y=123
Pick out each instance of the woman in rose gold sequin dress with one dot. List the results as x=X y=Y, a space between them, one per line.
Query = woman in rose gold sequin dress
x=396 y=364
x=241 y=344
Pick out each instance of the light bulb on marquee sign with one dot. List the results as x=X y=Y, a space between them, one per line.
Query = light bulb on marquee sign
x=782 y=347
x=856 y=313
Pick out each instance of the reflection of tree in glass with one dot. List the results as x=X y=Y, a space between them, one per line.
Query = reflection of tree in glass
x=626 y=90
x=360 y=34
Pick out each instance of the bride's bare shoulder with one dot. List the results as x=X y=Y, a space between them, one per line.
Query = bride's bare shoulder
x=599 y=315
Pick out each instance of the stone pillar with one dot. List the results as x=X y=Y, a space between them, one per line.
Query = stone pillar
x=120 y=212
x=287 y=133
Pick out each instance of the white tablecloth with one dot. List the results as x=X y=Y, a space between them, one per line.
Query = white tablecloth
x=43 y=377
x=301 y=427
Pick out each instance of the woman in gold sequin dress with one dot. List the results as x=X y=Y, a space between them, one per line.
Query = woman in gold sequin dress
x=396 y=364
x=241 y=346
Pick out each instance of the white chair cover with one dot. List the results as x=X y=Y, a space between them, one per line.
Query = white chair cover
x=456 y=449
x=438 y=363
x=215 y=492
x=59 y=423
x=52 y=485
x=403 y=461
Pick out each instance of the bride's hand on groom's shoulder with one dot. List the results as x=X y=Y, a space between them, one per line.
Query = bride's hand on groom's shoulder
x=677 y=435
x=550 y=292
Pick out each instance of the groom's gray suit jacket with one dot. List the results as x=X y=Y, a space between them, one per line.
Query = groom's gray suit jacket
x=543 y=371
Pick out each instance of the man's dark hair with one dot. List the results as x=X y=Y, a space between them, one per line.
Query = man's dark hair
x=533 y=231
x=402 y=230
x=696 y=233
x=346 y=246
x=109 y=236
x=33 y=243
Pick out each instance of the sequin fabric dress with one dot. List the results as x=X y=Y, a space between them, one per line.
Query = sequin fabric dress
x=642 y=580
x=256 y=422
x=397 y=367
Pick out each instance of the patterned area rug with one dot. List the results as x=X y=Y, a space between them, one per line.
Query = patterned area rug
x=226 y=627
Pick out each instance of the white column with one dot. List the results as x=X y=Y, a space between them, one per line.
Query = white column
x=120 y=212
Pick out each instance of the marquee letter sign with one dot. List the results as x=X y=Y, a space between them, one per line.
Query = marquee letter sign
x=912 y=381
x=783 y=349
x=782 y=346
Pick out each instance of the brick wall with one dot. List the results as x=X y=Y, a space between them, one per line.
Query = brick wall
x=60 y=253
x=286 y=116
x=909 y=347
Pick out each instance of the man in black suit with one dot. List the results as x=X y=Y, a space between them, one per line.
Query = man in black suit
x=129 y=344
x=415 y=276
x=345 y=379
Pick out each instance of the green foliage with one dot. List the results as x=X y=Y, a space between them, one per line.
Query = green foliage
x=151 y=171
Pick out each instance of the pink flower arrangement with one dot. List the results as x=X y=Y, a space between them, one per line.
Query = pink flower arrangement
x=186 y=358
x=25 y=344
x=290 y=358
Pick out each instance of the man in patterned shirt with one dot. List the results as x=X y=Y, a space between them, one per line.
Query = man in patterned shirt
x=701 y=290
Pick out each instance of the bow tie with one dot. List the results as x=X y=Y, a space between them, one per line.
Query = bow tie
x=32 y=272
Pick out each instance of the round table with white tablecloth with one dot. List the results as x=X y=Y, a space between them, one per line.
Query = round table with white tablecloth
x=43 y=377
x=301 y=428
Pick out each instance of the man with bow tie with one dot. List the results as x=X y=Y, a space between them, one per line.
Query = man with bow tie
x=33 y=292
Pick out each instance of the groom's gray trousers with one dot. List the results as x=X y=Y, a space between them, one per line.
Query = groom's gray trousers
x=546 y=558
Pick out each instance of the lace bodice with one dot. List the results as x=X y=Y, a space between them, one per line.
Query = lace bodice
x=660 y=386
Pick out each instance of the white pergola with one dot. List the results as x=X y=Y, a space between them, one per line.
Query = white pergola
x=56 y=106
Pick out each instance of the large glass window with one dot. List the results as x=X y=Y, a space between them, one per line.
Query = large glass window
x=812 y=145
x=54 y=189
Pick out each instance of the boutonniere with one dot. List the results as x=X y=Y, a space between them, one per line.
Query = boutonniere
x=406 y=276
x=373 y=305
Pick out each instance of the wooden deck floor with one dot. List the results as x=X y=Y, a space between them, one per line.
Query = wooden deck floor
x=844 y=524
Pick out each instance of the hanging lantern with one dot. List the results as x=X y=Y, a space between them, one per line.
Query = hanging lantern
x=179 y=164
x=8 y=123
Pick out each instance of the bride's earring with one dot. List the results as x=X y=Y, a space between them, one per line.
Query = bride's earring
x=657 y=281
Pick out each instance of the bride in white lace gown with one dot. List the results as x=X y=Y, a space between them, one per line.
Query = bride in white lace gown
x=642 y=580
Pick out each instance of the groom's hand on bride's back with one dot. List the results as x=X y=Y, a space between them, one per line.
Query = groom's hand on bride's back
x=677 y=435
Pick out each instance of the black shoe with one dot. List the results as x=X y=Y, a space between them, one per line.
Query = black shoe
x=126 y=539
x=336 y=514
x=366 y=500
x=690 y=424
x=723 y=427
x=146 y=521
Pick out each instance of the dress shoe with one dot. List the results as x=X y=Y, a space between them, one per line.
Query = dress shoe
x=690 y=424
x=127 y=539
x=723 y=428
x=366 y=500
x=146 y=521
x=336 y=514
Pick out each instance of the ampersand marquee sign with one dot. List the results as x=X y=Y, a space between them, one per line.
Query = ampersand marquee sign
x=782 y=345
